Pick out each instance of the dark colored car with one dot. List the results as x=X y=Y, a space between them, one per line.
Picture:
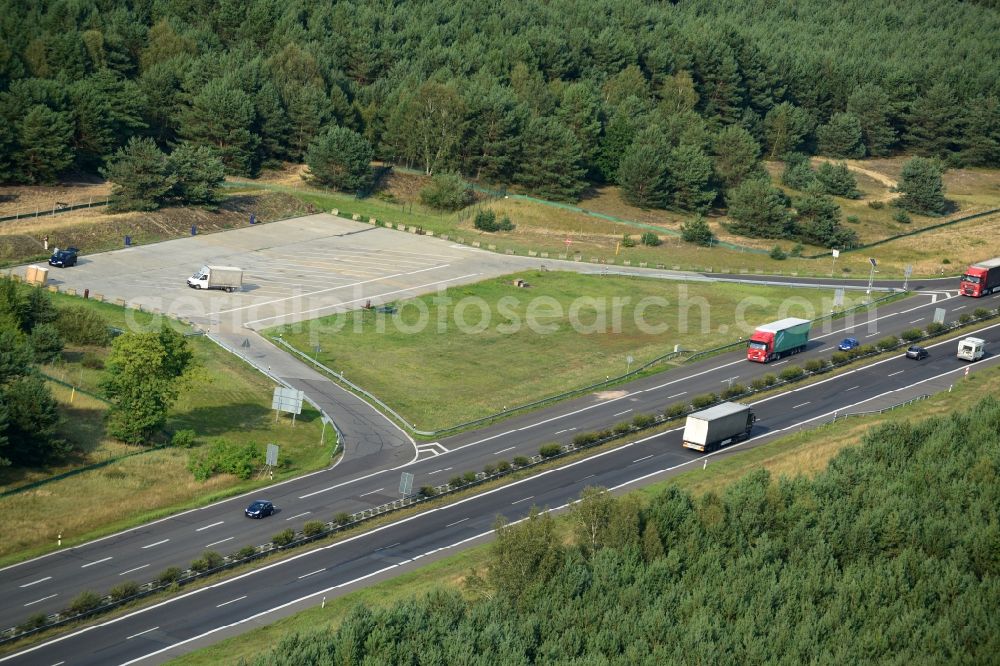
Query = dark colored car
x=916 y=353
x=64 y=258
x=259 y=509
x=847 y=344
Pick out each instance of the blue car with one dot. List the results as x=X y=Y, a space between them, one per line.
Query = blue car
x=847 y=344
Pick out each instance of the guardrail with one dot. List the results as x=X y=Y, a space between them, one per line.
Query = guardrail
x=837 y=417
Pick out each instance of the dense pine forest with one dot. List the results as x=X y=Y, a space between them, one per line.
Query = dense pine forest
x=891 y=555
x=547 y=96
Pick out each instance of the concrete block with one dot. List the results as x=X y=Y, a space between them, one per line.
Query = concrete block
x=642 y=264
x=372 y=221
x=70 y=292
x=429 y=233
x=532 y=253
x=509 y=251
x=356 y=217
x=476 y=244
x=334 y=211
x=676 y=268
x=545 y=255
x=120 y=302
x=491 y=246
x=444 y=236
x=97 y=297
x=627 y=262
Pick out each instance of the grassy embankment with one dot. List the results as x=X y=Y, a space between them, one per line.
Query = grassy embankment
x=415 y=369
x=806 y=452
x=228 y=399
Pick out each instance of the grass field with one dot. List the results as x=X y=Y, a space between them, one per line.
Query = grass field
x=536 y=342
x=229 y=400
x=807 y=453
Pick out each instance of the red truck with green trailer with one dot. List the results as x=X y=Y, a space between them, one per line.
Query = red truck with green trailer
x=779 y=338
x=981 y=279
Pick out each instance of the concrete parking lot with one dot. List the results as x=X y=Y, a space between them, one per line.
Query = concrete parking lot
x=294 y=270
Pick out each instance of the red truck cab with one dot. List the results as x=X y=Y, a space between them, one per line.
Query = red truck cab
x=760 y=346
x=981 y=279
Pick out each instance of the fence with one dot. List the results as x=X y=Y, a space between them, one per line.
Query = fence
x=57 y=207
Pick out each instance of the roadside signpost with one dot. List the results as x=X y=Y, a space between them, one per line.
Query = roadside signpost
x=405 y=484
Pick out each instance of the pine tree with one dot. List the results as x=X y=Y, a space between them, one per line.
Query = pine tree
x=552 y=164
x=922 y=187
x=580 y=111
x=786 y=127
x=496 y=123
x=757 y=209
x=197 y=174
x=841 y=137
x=697 y=231
x=308 y=109
x=981 y=139
x=140 y=176
x=44 y=140
x=340 y=158
x=643 y=176
x=837 y=180
x=221 y=116
x=690 y=172
x=934 y=123
x=737 y=156
x=618 y=135
x=819 y=222
x=870 y=105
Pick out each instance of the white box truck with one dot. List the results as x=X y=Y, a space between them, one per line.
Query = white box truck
x=229 y=278
x=971 y=349
x=718 y=426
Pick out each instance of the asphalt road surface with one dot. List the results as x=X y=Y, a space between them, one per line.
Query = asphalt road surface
x=49 y=583
x=169 y=628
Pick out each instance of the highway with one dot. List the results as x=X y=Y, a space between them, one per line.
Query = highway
x=153 y=634
x=49 y=583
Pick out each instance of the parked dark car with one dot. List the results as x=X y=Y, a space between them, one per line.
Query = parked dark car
x=916 y=353
x=259 y=509
x=847 y=344
x=64 y=258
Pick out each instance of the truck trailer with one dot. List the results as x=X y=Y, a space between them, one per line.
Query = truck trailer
x=718 y=426
x=981 y=279
x=777 y=339
x=229 y=278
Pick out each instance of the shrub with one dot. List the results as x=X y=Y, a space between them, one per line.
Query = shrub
x=314 y=528
x=456 y=482
x=965 y=318
x=876 y=205
x=208 y=560
x=87 y=600
x=602 y=435
x=622 y=428
x=486 y=220
x=503 y=466
x=35 y=621
x=886 y=343
x=853 y=219
x=505 y=224
x=641 y=421
x=675 y=410
x=224 y=456
x=936 y=328
x=697 y=231
x=46 y=343
x=183 y=439
x=902 y=217
x=702 y=401
x=343 y=518
x=447 y=191
x=550 y=450
x=733 y=391
x=129 y=588
x=758 y=384
x=791 y=373
x=840 y=357
x=81 y=325
x=245 y=552
x=864 y=350
x=283 y=538
x=469 y=477
x=980 y=313
x=796 y=250
x=92 y=361
x=582 y=439
x=522 y=461
x=814 y=365
x=489 y=469
x=777 y=253
x=651 y=239
x=912 y=334
x=770 y=379
x=627 y=241
x=169 y=575
x=946 y=261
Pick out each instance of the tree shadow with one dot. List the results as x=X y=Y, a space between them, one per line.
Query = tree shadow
x=216 y=420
